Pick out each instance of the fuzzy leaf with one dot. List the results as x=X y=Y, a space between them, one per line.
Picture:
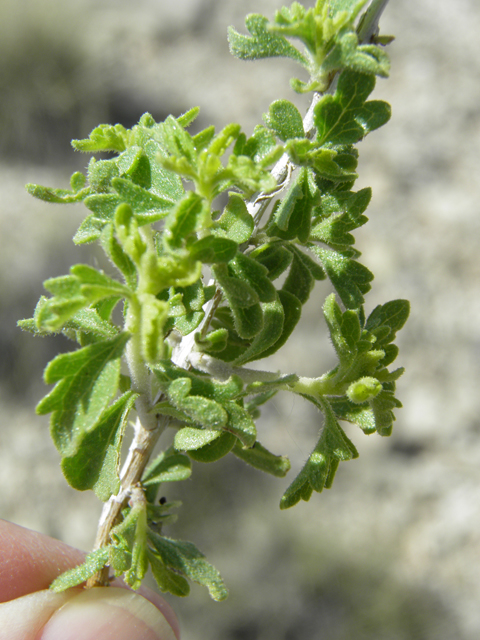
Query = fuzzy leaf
x=350 y=278
x=262 y=43
x=319 y=470
x=147 y=206
x=94 y=562
x=168 y=581
x=95 y=464
x=235 y=223
x=214 y=450
x=250 y=271
x=184 y=558
x=345 y=118
x=274 y=257
x=86 y=380
x=260 y=458
x=273 y=318
x=202 y=410
x=210 y=250
x=285 y=120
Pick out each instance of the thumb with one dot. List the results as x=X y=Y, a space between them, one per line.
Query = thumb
x=109 y=613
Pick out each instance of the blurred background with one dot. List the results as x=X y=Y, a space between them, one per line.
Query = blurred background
x=392 y=552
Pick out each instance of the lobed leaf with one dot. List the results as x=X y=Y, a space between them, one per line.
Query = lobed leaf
x=184 y=558
x=96 y=461
x=86 y=380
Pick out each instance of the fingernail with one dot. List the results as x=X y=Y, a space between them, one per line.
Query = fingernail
x=109 y=613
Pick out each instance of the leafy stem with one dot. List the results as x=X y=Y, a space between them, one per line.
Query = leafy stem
x=178 y=357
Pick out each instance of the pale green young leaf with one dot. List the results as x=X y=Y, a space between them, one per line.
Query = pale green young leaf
x=105 y=137
x=95 y=285
x=285 y=120
x=235 y=223
x=86 y=380
x=118 y=256
x=190 y=438
x=96 y=461
x=59 y=196
x=261 y=43
x=94 y=561
x=184 y=558
x=147 y=206
x=154 y=314
x=188 y=216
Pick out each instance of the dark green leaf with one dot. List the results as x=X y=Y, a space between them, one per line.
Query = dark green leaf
x=262 y=459
x=95 y=464
x=250 y=271
x=345 y=117
x=273 y=318
x=274 y=257
x=292 y=311
x=391 y=315
x=87 y=379
x=184 y=558
x=350 y=278
x=214 y=450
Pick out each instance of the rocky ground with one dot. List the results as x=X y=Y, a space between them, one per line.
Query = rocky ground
x=392 y=551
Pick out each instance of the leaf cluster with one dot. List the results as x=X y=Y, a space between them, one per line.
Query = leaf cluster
x=152 y=208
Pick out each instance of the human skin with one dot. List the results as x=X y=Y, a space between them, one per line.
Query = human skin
x=30 y=561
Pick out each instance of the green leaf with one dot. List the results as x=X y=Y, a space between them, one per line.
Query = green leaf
x=214 y=450
x=184 y=558
x=361 y=415
x=187 y=216
x=87 y=379
x=239 y=294
x=105 y=137
x=147 y=206
x=345 y=118
x=275 y=257
x=292 y=311
x=210 y=250
x=273 y=319
x=202 y=410
x=248 y=270
x=95 y=285
x=262 y=459
x=285 y=120
x=167 y=581
x=95 y=464
x=339 y=214
x=350 y=278
x=391 y=315
x=235 y=223
x=300 y=280
x=262 y=43
x=319 y=470
x=154 y=314
x=240 y=423
x=94 y=562
x=168 y=466
x=59 y=196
